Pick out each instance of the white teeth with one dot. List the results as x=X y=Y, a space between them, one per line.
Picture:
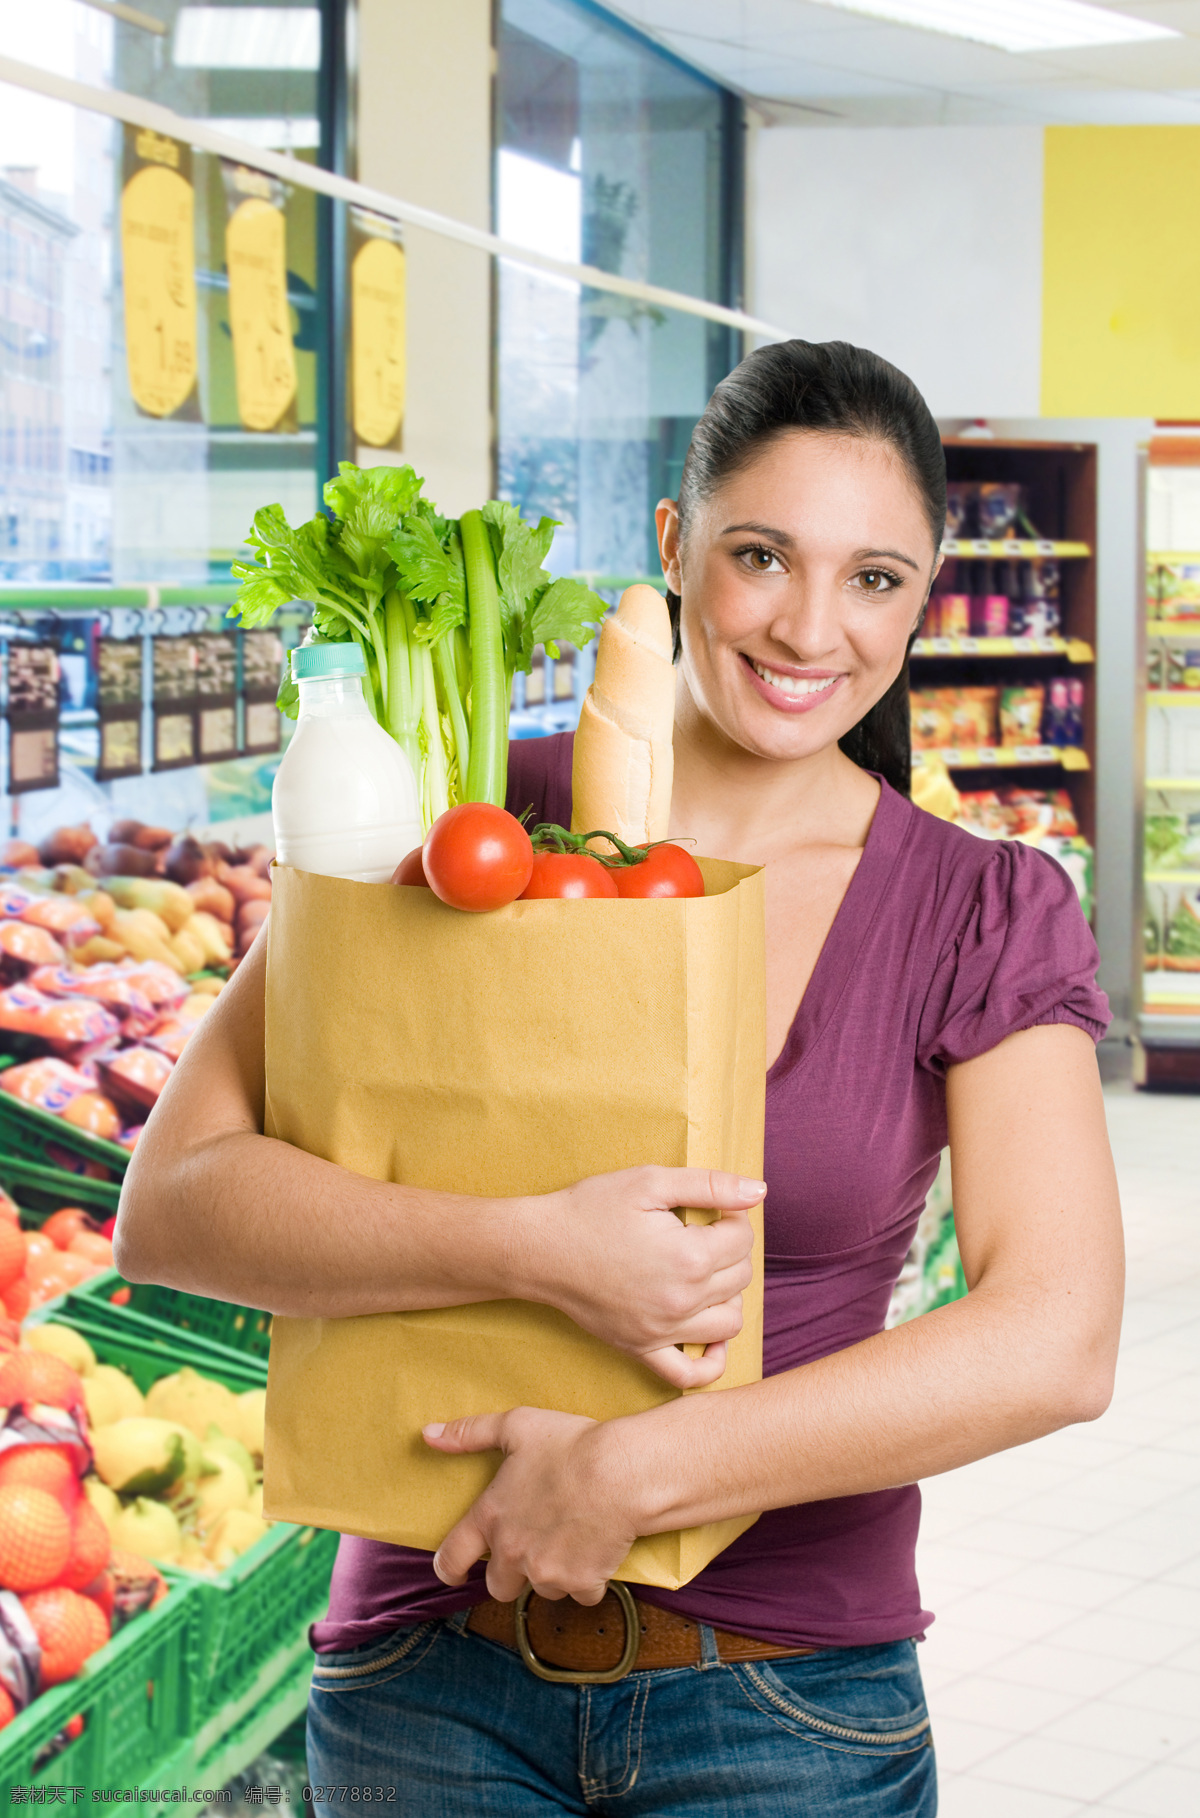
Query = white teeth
x=793 y=684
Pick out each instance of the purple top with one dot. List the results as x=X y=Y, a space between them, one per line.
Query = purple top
x=943 y=945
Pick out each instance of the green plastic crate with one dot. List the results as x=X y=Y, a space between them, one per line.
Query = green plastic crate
x=250 y=1625
x=221 y=1322
x=40 y=1190
x=248 y=1634
x=27 y=1131
x=133 y=1698
x=144 y=1348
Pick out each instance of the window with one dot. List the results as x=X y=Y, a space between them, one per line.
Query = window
x=610 y=153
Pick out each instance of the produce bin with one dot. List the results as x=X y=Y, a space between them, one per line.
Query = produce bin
x=39 y=1136
x=133 y=1698
x=247 y=1635
x=243 y=1329
x=143 y=1346
x=40 y=1190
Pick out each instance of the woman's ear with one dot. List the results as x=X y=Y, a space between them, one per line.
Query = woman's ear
x=666 y=517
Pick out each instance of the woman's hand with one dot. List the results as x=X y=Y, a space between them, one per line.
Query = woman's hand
x=554 y=1516
x=611 y=1254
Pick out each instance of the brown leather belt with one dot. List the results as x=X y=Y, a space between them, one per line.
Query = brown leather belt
x=575 y=1645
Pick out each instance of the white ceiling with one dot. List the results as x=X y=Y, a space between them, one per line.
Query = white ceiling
x=814 y=64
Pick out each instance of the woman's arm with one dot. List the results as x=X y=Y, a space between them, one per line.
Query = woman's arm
x=213 y=1206
x=1032 y=1347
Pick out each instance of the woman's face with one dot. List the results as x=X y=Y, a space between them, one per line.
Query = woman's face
x=802 y=578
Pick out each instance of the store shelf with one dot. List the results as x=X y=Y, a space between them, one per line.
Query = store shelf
x=1173 y=697
x=995 y=757
x=1173 y=628
x=1170 y=784
x=1173 y=877
x=1025 y=548
x=1074 y=649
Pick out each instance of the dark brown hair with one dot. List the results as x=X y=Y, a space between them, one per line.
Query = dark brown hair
x=841 y=390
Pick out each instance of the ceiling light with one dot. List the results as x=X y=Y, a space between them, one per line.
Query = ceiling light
x=247 y=37
x=1014 y=25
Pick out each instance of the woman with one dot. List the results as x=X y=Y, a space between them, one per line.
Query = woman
x=920 y=983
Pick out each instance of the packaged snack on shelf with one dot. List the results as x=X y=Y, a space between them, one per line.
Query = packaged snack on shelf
x=1165 y=836
x=1021 y=715
x=1157 y=665
x=1056 y=712
x=959 y=494
x=973 y=718
x=931 y=624
x=1182 y=945
x=954 y=615
x=1075 y=698
x=1182 y=668
x=1178 y=590
x=932 y=718
x=989 y=615
x=997 y=503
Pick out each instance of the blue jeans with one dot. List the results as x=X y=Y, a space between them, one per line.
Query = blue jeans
x=453 y=1726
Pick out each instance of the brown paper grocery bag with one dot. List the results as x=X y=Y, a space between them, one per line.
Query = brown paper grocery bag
x=502 y=1054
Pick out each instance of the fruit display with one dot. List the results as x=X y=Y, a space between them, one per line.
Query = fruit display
x=178 y=1472
x=65 y=1588
x=110 y=953
x=100 y=1487
x=37 y=1266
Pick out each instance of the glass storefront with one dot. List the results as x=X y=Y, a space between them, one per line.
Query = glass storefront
x=609 y=153
x=105 y=476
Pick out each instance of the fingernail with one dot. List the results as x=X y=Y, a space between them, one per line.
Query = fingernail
x=435 y=1429
x=752 y=1189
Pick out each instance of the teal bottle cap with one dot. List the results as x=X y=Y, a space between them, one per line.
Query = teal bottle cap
x=312 y=662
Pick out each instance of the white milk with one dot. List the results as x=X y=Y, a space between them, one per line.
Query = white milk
x=345 y=799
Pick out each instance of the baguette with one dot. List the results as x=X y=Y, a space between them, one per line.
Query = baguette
x=622 y=768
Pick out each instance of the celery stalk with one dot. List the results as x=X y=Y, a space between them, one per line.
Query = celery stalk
x=444 y=669
x=401 y=720
x=436 y=792
x=487 y=769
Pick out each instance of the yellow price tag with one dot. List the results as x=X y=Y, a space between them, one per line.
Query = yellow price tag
x=377 y=299
x=158 y=256
x=263 y=354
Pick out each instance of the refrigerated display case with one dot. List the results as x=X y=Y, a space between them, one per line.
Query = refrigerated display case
x=1168 y=1025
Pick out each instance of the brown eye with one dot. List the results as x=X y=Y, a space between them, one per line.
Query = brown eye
x=876 y=580
x=760 y=559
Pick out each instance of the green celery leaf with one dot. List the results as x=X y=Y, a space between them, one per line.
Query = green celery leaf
x=520 y=550
x=565 y=612
x=259 y=597
x=288 y=698
x=446 y=616
x=395 y=488
x=428 y=567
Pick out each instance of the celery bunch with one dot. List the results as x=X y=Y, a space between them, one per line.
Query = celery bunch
x=446 y=612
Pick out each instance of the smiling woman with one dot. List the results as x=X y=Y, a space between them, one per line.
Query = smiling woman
x=921 y=985
x=824 y=433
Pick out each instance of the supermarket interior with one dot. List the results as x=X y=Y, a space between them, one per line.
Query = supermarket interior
x=514 y=245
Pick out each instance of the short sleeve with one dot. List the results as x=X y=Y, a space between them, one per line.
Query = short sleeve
x=1023 y=955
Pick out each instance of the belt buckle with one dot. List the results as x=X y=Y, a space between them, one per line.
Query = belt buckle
x=563 y=1675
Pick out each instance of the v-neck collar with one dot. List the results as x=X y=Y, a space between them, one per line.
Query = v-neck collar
x=847 y=932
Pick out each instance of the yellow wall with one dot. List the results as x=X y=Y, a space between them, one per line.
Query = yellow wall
x=1121 y=272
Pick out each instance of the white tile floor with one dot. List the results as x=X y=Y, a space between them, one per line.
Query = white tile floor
x=1063 y=1671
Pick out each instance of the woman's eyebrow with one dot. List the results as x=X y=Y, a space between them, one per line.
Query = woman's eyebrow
x=761 y=530
x=896 y=555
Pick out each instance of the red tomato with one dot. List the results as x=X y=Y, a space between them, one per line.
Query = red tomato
x=410 y=870
x=477 y=857
x=568 y=874
x=665 y=871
